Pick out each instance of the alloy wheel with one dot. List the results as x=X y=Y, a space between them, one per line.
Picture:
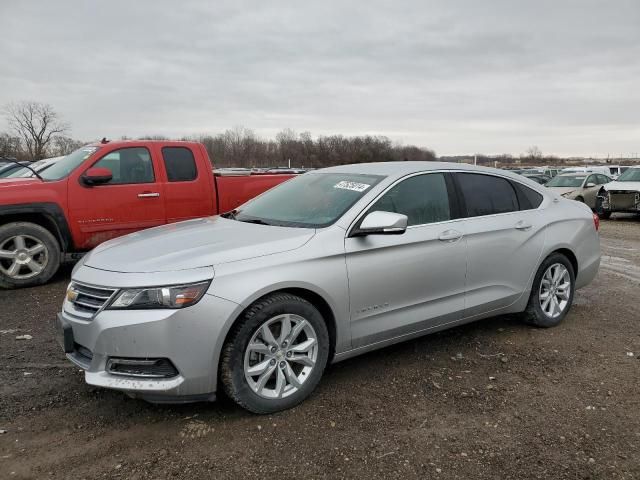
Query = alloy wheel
x=22 y=257
x=555 y=290
x=280 y=356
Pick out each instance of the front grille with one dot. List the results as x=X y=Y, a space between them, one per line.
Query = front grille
x=624 y=200
x=86 y=300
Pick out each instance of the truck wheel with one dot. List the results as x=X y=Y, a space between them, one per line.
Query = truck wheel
x=551 y=293
x=29 y=255
x=275 y=355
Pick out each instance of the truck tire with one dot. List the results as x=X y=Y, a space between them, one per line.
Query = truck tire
x=29 y=255
x=275 y=355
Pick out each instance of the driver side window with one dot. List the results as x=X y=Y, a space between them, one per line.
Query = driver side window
x=422 y=198
x=128 y=165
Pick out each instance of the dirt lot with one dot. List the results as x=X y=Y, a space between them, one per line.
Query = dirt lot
x=495 y=399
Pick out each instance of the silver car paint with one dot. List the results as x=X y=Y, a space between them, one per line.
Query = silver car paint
x=371 y=285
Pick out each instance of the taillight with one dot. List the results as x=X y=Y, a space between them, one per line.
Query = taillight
x=596 y=221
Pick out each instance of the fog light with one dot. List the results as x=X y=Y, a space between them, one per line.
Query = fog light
x=142 y=367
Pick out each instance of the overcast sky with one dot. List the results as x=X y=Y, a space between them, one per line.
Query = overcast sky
x=455 y=76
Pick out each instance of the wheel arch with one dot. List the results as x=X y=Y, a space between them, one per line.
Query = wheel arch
x=47 y=215
x=570 y=256
x=310 y=295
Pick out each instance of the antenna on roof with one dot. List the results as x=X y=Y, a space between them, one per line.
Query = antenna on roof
x=104 y=140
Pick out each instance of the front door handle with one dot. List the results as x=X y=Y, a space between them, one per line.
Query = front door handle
x=148 y=195
x=522 y=225
x=450 y=236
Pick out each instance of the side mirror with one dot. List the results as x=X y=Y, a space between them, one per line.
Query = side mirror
x=97 y=176
x=590 y=185
x=382 y=223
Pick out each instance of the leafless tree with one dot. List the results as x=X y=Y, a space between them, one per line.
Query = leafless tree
x=534 y=153
x=36 y=124
x=64 y=145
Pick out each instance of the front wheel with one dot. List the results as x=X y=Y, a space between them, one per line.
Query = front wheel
x=275 y=355
x=600 y=210
x=29 y=255
x=551 y=293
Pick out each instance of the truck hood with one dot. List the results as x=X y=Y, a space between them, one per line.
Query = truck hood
x=193 y=244
x=7 y=183
x=625 y=186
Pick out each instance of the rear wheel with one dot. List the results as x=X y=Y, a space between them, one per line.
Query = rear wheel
x=275 y=355
x=551 y=293
x=29 y=255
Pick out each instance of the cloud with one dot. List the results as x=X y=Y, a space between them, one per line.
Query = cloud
x=458 y=77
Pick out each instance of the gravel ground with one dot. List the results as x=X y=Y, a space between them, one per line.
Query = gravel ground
x=493 y=399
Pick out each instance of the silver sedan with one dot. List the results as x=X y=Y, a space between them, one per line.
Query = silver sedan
x=326 y=266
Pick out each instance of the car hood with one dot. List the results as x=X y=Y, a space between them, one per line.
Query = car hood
x=629 y=186
x=563 y=190
x=193 y=244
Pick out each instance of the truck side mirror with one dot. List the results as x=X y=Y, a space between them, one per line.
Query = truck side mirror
x=96 y=176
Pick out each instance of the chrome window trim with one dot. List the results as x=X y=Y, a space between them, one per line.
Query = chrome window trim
x=427 y=172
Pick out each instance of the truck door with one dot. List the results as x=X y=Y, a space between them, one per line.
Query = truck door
x=132 y=200
x=188 y=193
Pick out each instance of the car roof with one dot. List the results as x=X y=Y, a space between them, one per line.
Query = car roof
x=399 y=169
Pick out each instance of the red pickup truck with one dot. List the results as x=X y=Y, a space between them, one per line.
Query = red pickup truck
x=105 y=190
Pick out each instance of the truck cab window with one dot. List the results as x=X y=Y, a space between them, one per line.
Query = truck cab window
x=128 y=165
x=179 y=164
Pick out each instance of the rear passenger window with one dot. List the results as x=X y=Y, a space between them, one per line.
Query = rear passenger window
x=179 y=164
x=528 y=198
x=486 y=194
x=423 y=199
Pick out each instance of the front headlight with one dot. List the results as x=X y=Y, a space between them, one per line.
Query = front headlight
x=174 y=296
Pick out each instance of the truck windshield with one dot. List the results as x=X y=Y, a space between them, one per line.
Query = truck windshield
x=312 y=200
x=68 y=164
x=631 y=175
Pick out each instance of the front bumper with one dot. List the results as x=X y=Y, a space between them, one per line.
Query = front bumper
x=191 y=338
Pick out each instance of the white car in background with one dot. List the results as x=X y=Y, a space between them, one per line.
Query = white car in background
x=38 y=166
x=621 y=195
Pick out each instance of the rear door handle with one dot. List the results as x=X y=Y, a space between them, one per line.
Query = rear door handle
x=522 y=225
x=148 y=195
x=450 y=236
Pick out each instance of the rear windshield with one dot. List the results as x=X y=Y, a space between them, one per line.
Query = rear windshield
x=566 y=181
x=311 y=200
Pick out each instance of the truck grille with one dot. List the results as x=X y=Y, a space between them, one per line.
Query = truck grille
x=87 y=301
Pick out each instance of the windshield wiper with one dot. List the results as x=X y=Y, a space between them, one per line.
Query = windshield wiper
x=230 y=215
x=257 y=221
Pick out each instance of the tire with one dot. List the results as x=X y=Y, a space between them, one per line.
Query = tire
x=29 y=255
x=282 y=378
x=600 y=211
x=536 y=313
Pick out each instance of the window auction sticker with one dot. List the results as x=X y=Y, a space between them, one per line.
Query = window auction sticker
x=354 y=186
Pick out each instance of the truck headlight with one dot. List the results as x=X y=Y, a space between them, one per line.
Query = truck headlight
x=174 y=296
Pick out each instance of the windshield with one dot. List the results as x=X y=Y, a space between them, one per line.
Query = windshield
x=566 y=181
x=68 y=164
x=631 y=175
x=311 y=200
